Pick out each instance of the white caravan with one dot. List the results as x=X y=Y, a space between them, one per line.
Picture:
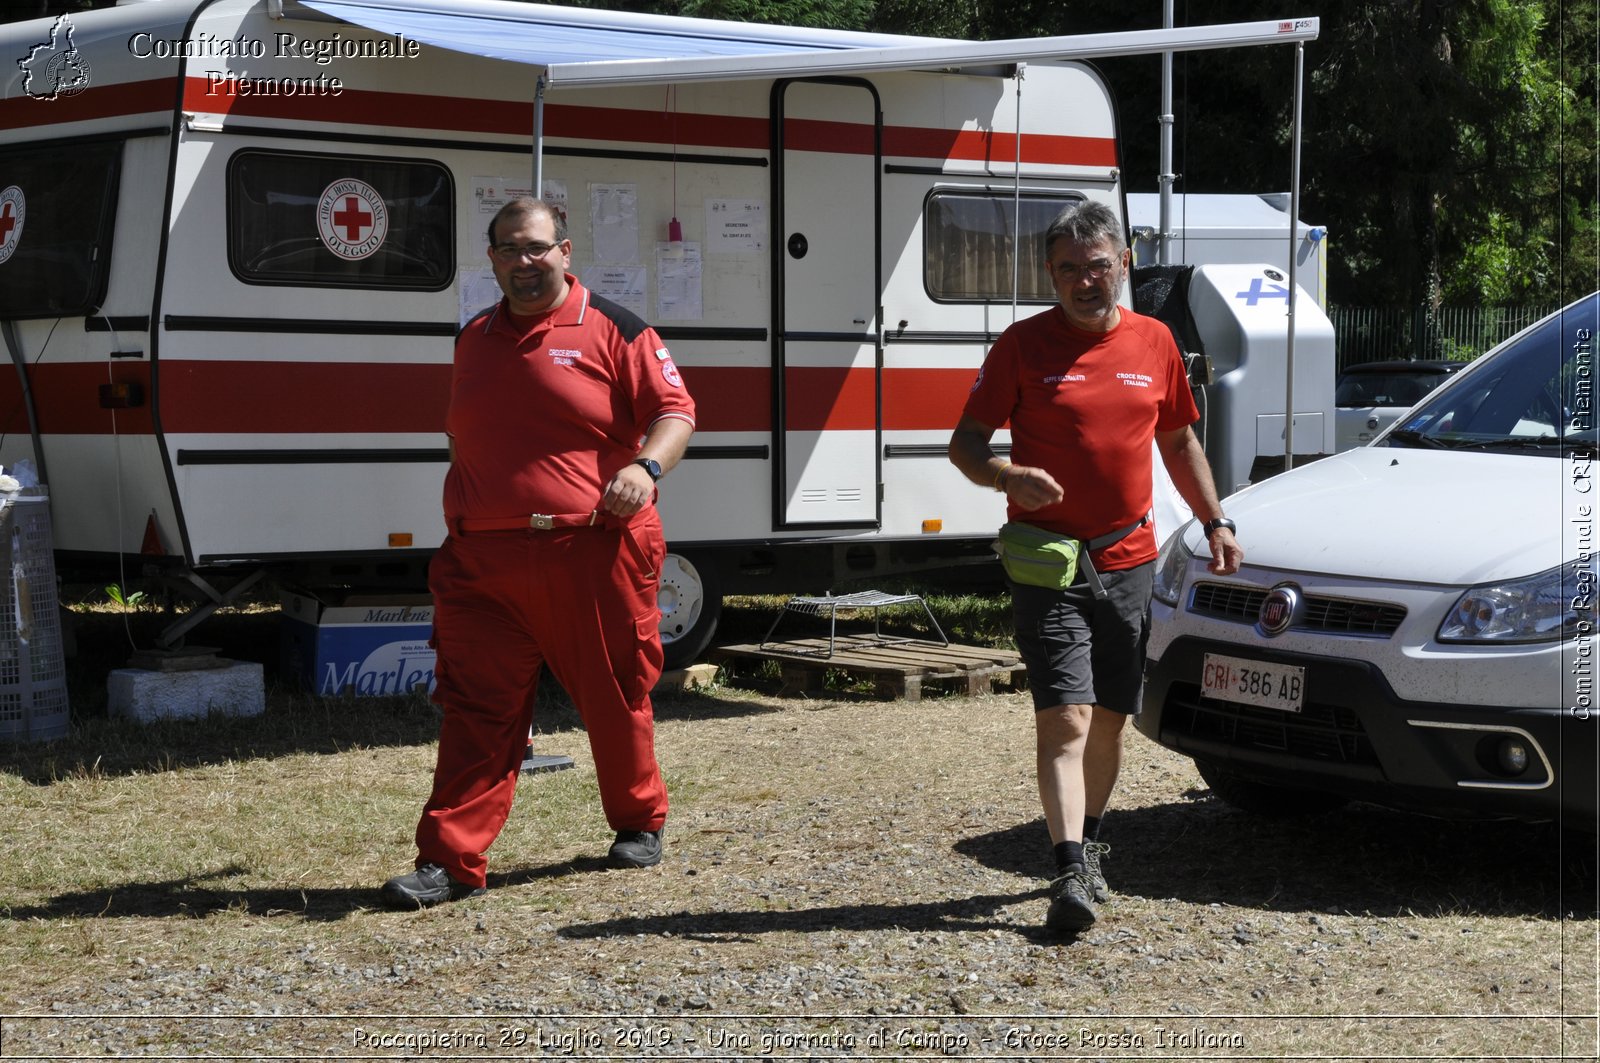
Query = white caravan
x=237 y=238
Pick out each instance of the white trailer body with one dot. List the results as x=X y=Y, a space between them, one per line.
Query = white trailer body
x=1214 y=228
x=241 y=235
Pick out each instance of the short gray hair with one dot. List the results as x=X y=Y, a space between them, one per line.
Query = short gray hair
x=1086 y=223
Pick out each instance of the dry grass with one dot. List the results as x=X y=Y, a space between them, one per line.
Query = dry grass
x=838 y=870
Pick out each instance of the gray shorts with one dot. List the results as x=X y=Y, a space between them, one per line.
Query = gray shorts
x=1083 y=650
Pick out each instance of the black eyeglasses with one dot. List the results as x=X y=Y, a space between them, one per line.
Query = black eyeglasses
x=518 y=252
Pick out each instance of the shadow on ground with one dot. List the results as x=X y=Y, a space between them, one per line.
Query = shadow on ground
x=1361 y=859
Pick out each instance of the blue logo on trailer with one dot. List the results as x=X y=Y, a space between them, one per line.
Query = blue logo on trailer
x=1256 y=292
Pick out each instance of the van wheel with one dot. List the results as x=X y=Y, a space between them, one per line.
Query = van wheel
x=1265 y=799
x=691 y=604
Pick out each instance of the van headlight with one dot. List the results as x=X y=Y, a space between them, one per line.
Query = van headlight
x=1171 y=566
x=1559 y=603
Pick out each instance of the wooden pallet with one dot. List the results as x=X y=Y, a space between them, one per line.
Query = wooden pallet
x=898 y=669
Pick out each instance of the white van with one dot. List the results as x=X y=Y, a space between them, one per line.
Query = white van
x=1415 y=622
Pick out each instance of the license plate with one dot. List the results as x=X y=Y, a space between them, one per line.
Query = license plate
x=1270 y=686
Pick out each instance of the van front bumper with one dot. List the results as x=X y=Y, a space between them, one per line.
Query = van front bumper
x=1355 y=738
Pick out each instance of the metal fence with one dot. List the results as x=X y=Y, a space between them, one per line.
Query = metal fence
x=1374 y=334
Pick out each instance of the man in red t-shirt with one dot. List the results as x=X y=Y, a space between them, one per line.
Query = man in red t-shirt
x=565 y=409
x=1086 y=386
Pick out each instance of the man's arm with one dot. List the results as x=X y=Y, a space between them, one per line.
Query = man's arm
x=665 y=443
x=1191 y=475
x=1029 y=487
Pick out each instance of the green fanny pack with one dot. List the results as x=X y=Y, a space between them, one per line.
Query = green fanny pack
x=1038 y=557
x=1041 y=558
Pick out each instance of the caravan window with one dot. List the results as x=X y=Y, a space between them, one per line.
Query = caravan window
x=57 y=209
x=340 y=221
x=966 y=245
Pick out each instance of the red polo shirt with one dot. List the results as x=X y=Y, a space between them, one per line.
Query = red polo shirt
x=544 y=411
x=1084 y=406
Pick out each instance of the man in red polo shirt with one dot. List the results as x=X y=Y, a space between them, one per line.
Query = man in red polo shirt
x=565 y=409
x=1086 y=386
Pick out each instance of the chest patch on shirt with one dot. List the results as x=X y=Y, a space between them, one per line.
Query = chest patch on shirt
x=1135 y=380
x=564 y=355
x=669 y=372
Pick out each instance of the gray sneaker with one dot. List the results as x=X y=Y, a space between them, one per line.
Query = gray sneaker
x=1071 y=902
x=1092 y=852
x=425 y=887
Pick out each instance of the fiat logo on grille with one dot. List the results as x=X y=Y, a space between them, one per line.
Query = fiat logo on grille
x=1279 y=610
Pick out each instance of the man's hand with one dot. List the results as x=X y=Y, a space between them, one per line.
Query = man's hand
x=1029 y=487
x=628 y=492
x=1226 y=553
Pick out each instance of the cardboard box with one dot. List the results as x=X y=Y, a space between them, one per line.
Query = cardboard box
x=364 y=644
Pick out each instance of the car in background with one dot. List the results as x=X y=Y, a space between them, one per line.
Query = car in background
x=1370 y=396
x=1415 y=621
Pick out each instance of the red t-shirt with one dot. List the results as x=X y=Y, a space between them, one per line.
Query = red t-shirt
x=544 y=411
x=1084 y=406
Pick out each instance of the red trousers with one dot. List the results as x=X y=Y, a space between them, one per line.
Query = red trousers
x=583 y=601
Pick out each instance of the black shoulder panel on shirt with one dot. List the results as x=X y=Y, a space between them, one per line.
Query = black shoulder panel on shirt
x=628 y=323
x=477 y=319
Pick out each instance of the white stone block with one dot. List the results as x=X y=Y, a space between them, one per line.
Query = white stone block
x=142 y=694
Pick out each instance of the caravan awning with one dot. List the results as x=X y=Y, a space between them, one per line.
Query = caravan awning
x=583 y=47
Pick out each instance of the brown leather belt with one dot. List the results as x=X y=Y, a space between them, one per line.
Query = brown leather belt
x=531 y=522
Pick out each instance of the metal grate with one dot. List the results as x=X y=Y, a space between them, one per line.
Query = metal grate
x=1319 y=732
x=1343 y=616
x=33 y=674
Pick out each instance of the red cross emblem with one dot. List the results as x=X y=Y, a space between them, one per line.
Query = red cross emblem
x=352 y=219
x=13 y=211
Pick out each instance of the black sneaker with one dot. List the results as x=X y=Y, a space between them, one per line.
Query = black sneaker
x=1071 y=903
x=1092 y=852
x=425 y=887
x=635 y=848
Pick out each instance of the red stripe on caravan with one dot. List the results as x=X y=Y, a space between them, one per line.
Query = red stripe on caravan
x=730 y=398
x=67 y=398
x=133 y=97
x=656 y=127
x=840 y=138
x=925 y=400
x=624 y=125
x=214 y=94
x=279 y=397
x=829 y=399
x=999 y=148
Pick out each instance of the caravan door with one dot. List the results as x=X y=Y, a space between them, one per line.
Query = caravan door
x=826 y=346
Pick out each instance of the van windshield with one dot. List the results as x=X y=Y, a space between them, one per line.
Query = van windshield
x=1535 y=393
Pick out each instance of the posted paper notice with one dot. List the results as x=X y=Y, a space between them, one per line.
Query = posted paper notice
x=736 y=226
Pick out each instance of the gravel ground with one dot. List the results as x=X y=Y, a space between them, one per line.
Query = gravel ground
x=844 y=878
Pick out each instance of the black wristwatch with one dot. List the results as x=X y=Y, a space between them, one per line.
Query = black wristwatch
x=1219 y=522
x=650 y=466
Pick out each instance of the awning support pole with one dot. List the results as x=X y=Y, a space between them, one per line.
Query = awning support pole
x=1294 y=235
x=538 y=138
x=1166 y=177
x=1016 y=202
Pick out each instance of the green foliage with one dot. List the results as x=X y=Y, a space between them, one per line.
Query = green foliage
x=127 y=600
